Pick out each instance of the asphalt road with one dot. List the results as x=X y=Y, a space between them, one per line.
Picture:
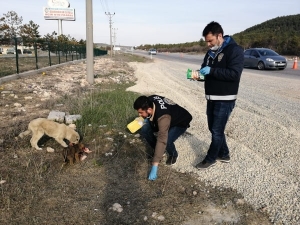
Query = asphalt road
x=197 y=60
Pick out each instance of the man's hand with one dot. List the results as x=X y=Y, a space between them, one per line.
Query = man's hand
x=205 y=70
x=153 y=173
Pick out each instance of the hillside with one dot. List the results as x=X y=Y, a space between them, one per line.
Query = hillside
x=281 y=34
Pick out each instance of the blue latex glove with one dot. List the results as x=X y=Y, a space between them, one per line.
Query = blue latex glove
x=205 y=70
x=153 y=173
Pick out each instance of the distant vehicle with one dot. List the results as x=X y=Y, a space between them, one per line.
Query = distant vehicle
x=27 y=51
x=152 y=51
x=10 y=51
x=264 y=58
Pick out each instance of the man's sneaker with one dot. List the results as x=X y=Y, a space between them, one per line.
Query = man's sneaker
x=171 y=160
x=204 y=164
x=225 y=159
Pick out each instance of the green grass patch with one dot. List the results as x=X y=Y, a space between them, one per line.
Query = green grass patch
x=111 y=108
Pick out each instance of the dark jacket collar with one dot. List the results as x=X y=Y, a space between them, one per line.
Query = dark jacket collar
x=227 y=41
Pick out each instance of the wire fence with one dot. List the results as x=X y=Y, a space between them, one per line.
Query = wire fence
x=20 y=55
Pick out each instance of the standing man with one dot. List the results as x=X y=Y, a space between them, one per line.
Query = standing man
x=166 y=118
x=222 y=66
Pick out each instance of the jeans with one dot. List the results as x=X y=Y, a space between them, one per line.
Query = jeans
x=174 y=132
x=218 y=113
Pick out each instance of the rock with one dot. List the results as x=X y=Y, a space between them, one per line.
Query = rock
x=49 y=149
x=117 y=207
x=57 y=116
x=72 y=118
x=161 y=218
x=17 y=104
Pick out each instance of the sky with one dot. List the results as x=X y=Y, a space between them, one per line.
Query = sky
x=138 y=22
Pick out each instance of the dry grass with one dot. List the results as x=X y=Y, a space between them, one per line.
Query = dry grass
x=28 y=62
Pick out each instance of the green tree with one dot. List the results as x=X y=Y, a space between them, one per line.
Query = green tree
x=30 y=30
x=10 y=24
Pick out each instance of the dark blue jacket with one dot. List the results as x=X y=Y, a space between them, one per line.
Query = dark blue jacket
x=226 y=64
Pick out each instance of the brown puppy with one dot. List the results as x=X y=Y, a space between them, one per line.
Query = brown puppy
x=75 y=153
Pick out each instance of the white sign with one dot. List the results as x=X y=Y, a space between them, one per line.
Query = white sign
x=58 y=4
x=59 y=13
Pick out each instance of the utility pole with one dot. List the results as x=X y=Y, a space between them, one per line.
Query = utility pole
x=110 y=25
x=115 y=38
x=89 y=42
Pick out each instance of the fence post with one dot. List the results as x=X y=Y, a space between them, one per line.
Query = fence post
x=49 y=53
x=72 y=48
x=35 y=53
x=77 y=53
x=58 y=52
x=17 y=55
x=66 y=47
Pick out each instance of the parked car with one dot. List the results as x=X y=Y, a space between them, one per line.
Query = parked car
x=264 y=58
x=10 y=51
x=27 y=51
x=152 y=51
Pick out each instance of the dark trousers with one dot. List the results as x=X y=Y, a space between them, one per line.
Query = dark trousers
x=173 y=134
x=218 y=113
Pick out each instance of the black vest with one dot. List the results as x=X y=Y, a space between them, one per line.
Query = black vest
x=179 y=116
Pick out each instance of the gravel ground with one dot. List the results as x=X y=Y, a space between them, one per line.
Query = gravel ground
x=262 y=134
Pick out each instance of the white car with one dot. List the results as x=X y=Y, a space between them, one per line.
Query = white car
x=152 y=51
x=10 y=51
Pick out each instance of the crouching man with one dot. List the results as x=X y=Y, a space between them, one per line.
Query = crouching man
x=166 y=118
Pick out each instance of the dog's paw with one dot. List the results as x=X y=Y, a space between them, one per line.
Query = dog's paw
x=64 y=145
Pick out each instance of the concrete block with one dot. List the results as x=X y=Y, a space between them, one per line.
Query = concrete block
x=57 y=116
x=72 y=118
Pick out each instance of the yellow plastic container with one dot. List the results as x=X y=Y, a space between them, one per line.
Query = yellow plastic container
x=136 y=124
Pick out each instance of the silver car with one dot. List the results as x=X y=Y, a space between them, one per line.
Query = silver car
x=152 y=51
x=264 y=58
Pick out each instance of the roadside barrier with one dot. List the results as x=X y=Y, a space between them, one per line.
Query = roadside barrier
x=295 y=65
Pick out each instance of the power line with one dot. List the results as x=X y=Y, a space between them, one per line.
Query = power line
x=103 y=6
x=106 y=5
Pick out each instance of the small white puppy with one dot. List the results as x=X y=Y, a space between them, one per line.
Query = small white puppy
x=59 y=131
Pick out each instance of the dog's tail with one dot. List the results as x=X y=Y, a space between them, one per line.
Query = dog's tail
x=25 y=133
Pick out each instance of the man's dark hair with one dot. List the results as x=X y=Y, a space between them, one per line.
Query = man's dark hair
x=142 y=102
x=214 y=28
